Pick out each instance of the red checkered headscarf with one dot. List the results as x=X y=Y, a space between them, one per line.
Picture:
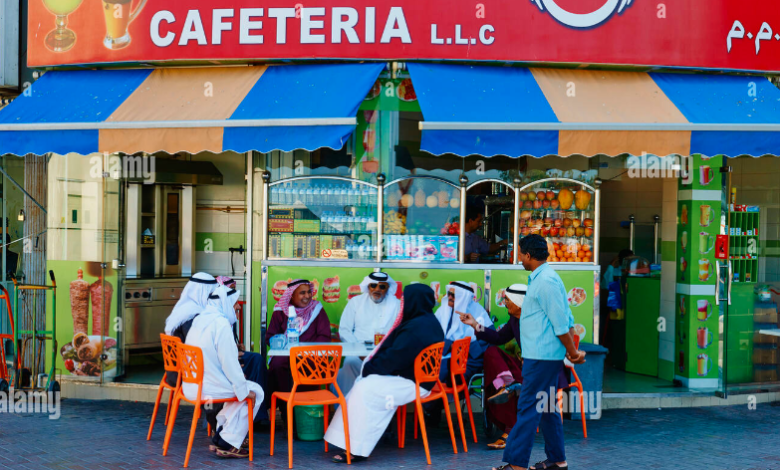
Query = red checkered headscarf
x=302 y=313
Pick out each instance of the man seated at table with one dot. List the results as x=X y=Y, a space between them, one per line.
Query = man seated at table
x=313 y=327
x=387 y=378
x=370 y=313
x=212 y=332
x=460 y=300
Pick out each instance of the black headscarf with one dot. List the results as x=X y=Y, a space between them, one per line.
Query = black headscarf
x=419 y=299
x=419 y=329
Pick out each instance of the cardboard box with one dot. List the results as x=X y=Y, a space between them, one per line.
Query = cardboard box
x=281 y=225
x=766 y=355
x=312 y=226
x=274 y=246
x=299 y=246
x=287 y=245
x=326 y=242
x=765 y=315
x=312 y=246
x=280 y=214
x=339 y=242
x=759 y=338
x=765 y=375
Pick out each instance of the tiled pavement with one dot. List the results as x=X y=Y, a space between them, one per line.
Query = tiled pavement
x=92 y=435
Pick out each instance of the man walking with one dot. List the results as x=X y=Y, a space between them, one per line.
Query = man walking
x=547 y=337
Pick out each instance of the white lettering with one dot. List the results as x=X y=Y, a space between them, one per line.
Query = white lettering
x=307 y=24
x=434 y=38
x=483 y=38
x=395 y=27
x=281 y=15
x=370 y=25
x=193 y=29
x=737 y=32
x=154 y=28
x=344 y=20
x=458 y=39
x=217 y=25
x=764 y=34
x=246 y=25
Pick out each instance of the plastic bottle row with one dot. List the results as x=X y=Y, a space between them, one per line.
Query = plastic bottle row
x=334 y=222
x=322 y=195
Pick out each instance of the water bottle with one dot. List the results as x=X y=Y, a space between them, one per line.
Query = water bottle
x=292 y=327
x=310 y=201
x=274 y=195
x=316 y=197
x=329 y=197
x=344 y=198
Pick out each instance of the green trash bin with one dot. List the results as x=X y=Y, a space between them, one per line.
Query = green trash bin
x=309 y=422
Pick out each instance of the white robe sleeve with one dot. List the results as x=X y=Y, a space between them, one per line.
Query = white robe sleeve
x=227 y=351
x=347 y=323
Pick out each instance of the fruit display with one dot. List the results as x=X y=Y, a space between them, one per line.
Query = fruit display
x=395 y=223
x=563 y=215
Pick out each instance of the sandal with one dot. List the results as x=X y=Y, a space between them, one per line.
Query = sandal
x=504 y=467
x=232 y=453
x=547 y=465
x=505 y=393
x=342 y=458
x=499 y=444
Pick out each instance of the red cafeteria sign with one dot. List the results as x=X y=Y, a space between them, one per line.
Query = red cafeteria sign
x=703 y=34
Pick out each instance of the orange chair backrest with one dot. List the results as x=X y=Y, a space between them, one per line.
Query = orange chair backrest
x=7 y=297
x=460 y=355
x=315 y=365
x=170 y=352
x=190 y=363
x=428 y=363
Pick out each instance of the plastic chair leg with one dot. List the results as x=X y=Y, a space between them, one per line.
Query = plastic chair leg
x=171 y=422
x=251 y=407
x=582 y=411
x=343 y=404
x=290 y=407
x=398 y=423
x=325 y=410
x=456 y=401
x=415 y=422
x=171 y=394
x=471 y=417
x=208 y=429
x=560 y=403
x=272 y=413
x=193 y=430
x=418 y=408
x=449 y=423
x=154 y=413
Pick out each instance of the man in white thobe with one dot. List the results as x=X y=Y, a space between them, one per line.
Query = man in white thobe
x=366 y=315
x=212 y=332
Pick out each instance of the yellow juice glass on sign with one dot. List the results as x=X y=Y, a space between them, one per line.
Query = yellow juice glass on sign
x=705 y=269
x=704 y=364
x=706 y=215
x=61 y=39
x=118 y=15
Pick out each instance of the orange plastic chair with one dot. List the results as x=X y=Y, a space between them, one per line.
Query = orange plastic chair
x=190 y=360
x=171 y=364
x=426 y=369
x=312 y=365
x=458 y=360
x=578 y=385
x=4 y=375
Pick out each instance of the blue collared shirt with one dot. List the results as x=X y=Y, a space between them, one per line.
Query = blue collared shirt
x=476 y=244
x=545 y=316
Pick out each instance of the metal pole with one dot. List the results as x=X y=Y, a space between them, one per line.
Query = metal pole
x=464 y=180
x=516 y=234
x=2 y=170
x=631 y=223
x=380 y=198
x=250 y=244
x=597 y=224
x=265 y=205
x=656 y=230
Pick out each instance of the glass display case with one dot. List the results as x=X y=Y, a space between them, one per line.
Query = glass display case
x=316 y=217
x=565 y=212
x=421 y=220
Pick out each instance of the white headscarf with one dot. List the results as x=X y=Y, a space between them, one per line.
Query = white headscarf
x=516 y=293
x=221 y=302
x=464 y=296
x=192 y=301
x=374 y=278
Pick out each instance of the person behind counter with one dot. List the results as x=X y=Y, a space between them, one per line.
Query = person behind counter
x=475 y=244
x=223 y=377
x=387 y=378
x=314 y=327
x=370 y=313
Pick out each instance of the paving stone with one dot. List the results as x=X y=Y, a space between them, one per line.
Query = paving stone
x=112 y=435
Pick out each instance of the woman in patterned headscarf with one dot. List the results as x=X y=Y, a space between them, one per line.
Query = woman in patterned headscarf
x=313 y=327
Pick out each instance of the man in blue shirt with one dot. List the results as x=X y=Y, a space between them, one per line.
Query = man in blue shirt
x=475 y=245
x=546 y=338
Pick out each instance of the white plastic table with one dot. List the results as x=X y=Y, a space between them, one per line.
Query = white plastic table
x=347 y=349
